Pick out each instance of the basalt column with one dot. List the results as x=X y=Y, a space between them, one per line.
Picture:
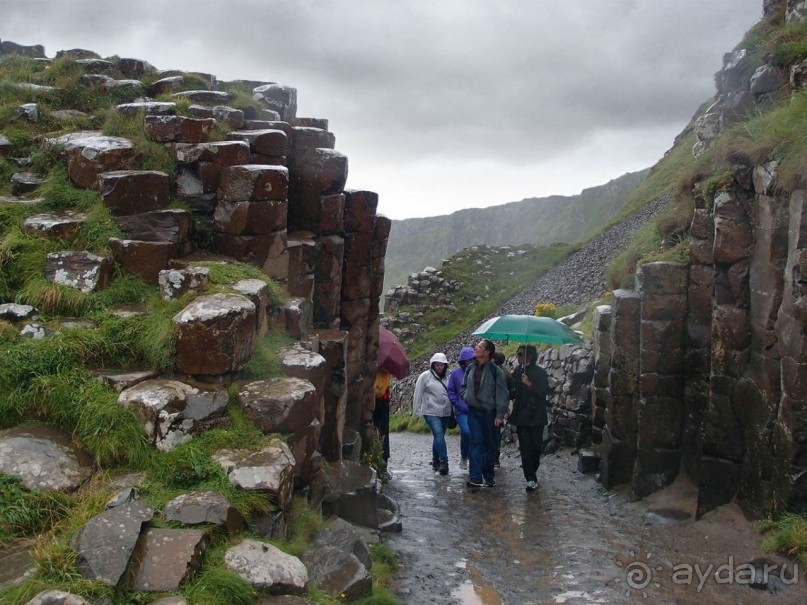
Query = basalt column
x=601 y=346
x=697 y=363
x=758 y=391
x=618 y=448
x=790 y=428
x=359 y=308
x=723 y=432
x=660 y=413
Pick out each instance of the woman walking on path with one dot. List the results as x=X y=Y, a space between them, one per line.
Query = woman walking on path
x=432 y=403
x=460 y=407
x=529 y=414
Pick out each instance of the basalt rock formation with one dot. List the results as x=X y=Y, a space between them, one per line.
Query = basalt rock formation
x=271 y=195
x=703 y=366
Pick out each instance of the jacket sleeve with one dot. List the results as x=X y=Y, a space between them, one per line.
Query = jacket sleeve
x=502 y=394
x=417 y=399
x=454 y=388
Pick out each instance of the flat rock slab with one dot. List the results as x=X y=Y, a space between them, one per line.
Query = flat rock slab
x=57 y=597
x=44 y=458
x=270 y=470
x=105 y=544
x=168 y=558
x=346 y=537
x=54 y=225
x=15 y=312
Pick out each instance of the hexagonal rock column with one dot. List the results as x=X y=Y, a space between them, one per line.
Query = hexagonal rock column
x=791 y=329
x=301 y=363
x=618 y=448
x=127 y=192
x=203 y=163
x=302 y=261
x=660 y=419
x=264 y=143
x=290 y=406
x=279 y=98
x=601 y=343
x=328 y=281
x=257 y=291
x=81 y=270
x=314 y=175
x=351 y=493
x=171 y=410
x=89 y=153
x=146 y=259
x=178 y=129
x=215 y=334
x=338 y=573
x=54 y=225
x=269 y=470
x=333 y=347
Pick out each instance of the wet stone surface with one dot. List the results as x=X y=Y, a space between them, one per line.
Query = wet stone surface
x=571 y=541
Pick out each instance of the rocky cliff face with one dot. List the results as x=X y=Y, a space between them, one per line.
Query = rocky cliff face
x=703 y=367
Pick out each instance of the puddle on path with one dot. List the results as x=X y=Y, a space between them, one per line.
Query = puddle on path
x=475 y=591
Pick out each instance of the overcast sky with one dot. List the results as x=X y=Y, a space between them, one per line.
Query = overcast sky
x=440 y=104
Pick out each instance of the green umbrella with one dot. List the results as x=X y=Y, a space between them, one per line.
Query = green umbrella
x=527 y=328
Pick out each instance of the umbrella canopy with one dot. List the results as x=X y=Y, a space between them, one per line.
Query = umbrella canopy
x=391 y=354
x=527 y=328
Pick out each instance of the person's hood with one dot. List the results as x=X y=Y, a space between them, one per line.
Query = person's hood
x=466 y=354
x=438 y=358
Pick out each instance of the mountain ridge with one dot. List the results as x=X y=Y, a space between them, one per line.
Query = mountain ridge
x=415 y=243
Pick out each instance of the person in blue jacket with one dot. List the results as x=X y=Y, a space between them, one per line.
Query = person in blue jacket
x=465 y=357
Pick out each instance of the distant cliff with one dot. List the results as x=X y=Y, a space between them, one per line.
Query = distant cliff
x=419 y=242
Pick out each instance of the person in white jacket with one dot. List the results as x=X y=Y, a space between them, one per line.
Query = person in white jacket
x=432 y=403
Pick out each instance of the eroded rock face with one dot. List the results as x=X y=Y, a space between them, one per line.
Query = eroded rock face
x=279 y=98
x=176 y=282
x=44 y=458
x=179 y=129
x=215 y=334
x=134 y=191
x=351 y=493
x=54 y=225
x=266 y=567
x=106 y=542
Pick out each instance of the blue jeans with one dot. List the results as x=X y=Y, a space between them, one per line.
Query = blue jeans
x=437 y=425
x=465 y=435
x=482 y=425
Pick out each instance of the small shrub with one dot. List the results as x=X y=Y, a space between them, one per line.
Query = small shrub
x=546 y=309
x=374 y=457
x=787 y=535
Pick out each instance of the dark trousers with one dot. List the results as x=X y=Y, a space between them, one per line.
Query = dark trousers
x=531 y=444
x=381 y=422
x=483 y=444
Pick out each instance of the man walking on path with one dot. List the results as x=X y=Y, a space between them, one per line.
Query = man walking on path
x=484 y=389
x=529 y=414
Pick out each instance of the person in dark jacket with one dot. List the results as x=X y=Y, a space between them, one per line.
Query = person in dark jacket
x=484 y=389
x=466 y=356
x=499 y=359
x=529 y=414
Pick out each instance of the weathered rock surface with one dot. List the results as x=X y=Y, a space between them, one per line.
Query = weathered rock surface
x=196 y=508
x=44 y=458
x=169 y=557
x=338 y=573
x=267 y=567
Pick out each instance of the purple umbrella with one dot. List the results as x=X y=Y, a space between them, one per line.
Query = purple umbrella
x=391 y=354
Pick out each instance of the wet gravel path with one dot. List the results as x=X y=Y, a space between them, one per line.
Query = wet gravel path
x=570 y=541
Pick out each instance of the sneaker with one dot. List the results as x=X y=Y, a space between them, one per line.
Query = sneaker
x=490 y=483
x=463 y=463
x=444 y=467
x=474 y=485
x=531 y=486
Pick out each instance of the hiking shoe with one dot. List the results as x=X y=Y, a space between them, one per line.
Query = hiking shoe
x=474 y=485
x=490 y=483
x=463 y=463
x=531 y=486
x=435 y=466
x=444 y=467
